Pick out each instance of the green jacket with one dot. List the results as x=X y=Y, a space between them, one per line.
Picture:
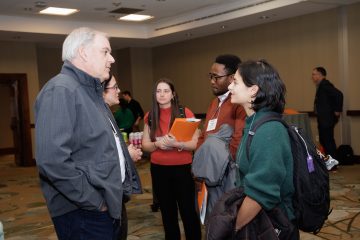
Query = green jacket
x=267 y=176
x=124 y=118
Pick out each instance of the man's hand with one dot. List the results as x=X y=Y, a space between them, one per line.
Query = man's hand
x=135 y=153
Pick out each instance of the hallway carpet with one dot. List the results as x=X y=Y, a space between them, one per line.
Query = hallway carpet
x=24 y=214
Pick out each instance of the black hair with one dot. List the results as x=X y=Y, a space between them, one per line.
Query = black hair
x=271 y=93
x=154 y=113
x=106 y=82
x=126 y=92
x=231 y=62
x=321 y=70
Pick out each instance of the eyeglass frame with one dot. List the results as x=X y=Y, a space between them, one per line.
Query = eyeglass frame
x=216 y=77
x=116 y=87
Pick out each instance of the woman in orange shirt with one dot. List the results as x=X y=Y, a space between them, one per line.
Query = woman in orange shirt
x=171 y=163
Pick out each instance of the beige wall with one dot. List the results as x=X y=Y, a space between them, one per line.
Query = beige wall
x=122 y=69
x=353 y=86
x=21 y=58
x=49 y=63
x=142 y=76
x=294 y=46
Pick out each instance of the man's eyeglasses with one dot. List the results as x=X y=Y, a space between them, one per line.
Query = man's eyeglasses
x=216 y=77
x=114 y=87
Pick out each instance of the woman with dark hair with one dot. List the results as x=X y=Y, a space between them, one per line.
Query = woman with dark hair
x=266 y=172
x=111 y=98
x=171 y=163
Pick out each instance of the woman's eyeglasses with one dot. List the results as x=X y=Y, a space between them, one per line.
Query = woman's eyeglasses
x=116 y=87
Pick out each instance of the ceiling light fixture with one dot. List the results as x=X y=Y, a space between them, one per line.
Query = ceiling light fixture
x=135 y=17
x=58 y=11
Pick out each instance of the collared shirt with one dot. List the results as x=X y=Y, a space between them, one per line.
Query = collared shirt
x=120 y=153
x=223 y=97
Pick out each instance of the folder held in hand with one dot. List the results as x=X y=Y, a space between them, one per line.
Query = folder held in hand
x=184 y=128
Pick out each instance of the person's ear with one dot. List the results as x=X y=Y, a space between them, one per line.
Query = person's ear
x=83 y=53
x=254 y=90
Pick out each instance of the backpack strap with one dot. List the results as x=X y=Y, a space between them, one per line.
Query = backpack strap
x=261 y=121
x=181 y=111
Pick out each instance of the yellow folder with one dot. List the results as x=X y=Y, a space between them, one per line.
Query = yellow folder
x=184 y=128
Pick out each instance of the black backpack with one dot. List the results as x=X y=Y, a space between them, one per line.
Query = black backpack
x=311 y=200
x=345 y=155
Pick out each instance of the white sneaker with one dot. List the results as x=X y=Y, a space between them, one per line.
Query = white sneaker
x=331 y=162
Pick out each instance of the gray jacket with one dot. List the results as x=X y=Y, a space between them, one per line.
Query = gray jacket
x=76 y=151
x=213 y=164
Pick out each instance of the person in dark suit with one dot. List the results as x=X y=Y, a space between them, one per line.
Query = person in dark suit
x=328 y=106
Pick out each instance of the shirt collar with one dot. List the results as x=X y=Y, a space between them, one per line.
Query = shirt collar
x=223 y=97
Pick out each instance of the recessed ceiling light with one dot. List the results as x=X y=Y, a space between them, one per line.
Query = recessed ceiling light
x=58 y=11
x=135 y=17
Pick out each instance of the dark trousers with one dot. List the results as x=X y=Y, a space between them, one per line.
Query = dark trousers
x=327 y=140
x=123 y=224
x=175 y=190
x=86 y=225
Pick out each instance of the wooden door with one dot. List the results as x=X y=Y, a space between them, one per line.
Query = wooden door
x=20 y=119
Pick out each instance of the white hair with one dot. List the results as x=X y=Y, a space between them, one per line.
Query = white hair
x=77 y=38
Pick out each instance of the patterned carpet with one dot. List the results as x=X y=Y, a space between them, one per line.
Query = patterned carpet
x=25 y=216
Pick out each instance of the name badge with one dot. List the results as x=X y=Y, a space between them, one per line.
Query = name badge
x=211 y=125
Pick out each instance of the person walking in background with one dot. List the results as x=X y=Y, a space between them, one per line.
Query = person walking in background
x=328 y=106
x=111 y=98
x=171 y=163
x=266 y=172
x=80 y=163
x=135 y=108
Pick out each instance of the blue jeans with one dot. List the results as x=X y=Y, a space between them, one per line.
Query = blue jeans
x=86 y=225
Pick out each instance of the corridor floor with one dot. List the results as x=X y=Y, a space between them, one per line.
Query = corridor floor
x=24 y=214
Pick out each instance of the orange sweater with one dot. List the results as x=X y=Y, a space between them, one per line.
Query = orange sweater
x=169 y=157
x=229 y=113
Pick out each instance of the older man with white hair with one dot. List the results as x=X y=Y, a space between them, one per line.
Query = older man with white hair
x=79 y=153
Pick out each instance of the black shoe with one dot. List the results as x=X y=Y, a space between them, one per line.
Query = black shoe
x=155 y=207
